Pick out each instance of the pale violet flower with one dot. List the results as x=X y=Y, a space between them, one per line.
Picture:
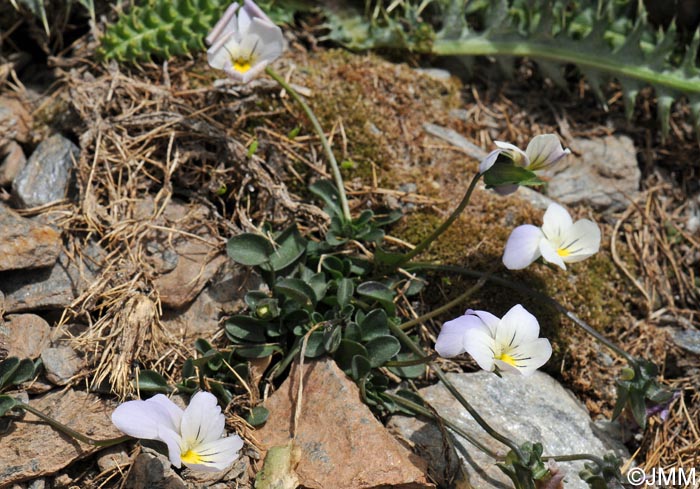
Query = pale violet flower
x=510 y=344
x=542 y=152
x=244 y=41
x=558 y=241
x=193 y=436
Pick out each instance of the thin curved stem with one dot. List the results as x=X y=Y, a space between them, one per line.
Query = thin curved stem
x=71 y=432
x=430 y=415
x=335 y=169
x=574 y=457
x=532 y=293
x=403 y=337
x=443 y=227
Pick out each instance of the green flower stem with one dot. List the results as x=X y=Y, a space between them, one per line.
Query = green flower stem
x=411 y=363
x=436 y=312
x=574 y=457
x=335 y=170
x=443 y=227
x=481 y=46
x=532 y=293
x=418 y=409
x=403 y=337
x=71 y=432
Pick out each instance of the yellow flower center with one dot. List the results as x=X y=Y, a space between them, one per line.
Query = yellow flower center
x=504 y=357
x=563 y=252
x=241 y=65
x=191 y=457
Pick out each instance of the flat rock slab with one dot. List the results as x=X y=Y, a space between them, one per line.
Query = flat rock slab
x=603 y=174
x=34 y=449
x=342 y=444
x=47 y=174
x=25 y=335
x=26 y=244
x=535 y=409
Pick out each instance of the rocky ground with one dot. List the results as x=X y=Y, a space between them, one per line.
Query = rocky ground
x=119 y=187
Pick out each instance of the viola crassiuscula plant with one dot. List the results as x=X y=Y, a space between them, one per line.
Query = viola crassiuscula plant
x=193 y=436
x=510 y=344
x=243 y=42
x=558 y=241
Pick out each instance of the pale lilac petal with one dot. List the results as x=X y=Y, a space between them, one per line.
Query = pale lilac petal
x=489 y=161
x=255 y=12
x=227 y=23
x=450 y=341
x=580 y=241
x=531 y=355
x=244 y=19
x=175 y=445
x=487 y=318
x=543 y=151
x=142 y=419
x=517 y=326
x=202 y=421
x=522 y=247
x=517 y=155
x=218 y=454
x=270 y=37
x=549 y=253
x=479 y=343
x=556 y=222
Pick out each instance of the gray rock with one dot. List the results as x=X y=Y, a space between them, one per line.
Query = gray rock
x=61 y=364
x=25 y=243
x=435 y=73
x=602 y=173
x=535 y=409
x=15 y=120
x=25 y=335
x=687 y=339
x=455 y=139
x=152 y=470
x=47 y=174
x=50 y=288
x=113 y=458
x=37 y=484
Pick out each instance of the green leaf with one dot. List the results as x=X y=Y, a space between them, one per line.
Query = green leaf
x=326 y=191
x=334 y=266
x=353 y=332
x=202 y=346
x=7 y=403
x=241 y=328
x=332 y=339
x=152 y=381
x=346 y=288
x=386 y=257
x=297 y=290
x=638 y=407
x=408 y=371
x=7 y=370
x=347 y=350
x=506 y=173
x=314 y=345
x=360 y=367
x=374 y=325
x=249 y=249
x=257 y=416
x=319 y=284
x=258 y=351
x=188 y=370
x=25 y=371
x=382 y=349
x=291 y=246
x=380 y=293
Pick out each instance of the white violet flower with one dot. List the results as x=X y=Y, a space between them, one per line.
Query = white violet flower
x=244 y=41
x=193 y=436
x=510 y=344
x=542 y=152
x=558 y=241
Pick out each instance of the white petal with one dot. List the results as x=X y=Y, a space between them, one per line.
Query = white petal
x=487 y=318
x=517 y=326
x=202 y=421
x=227 y=23
x=531 y=355
x=218 y=454
x=516 y=154
x=270 y=37
x=479 y=343
x=244 y=19
x=549 y=253
x=175 y=445
x=556 y=222
x=255 y=12
x=489 y=161
x=142 y=419
x=522 y=247
x=506 y=189
x=219 y=55
x=544 y=151
x=450 y=341
x=581 y=241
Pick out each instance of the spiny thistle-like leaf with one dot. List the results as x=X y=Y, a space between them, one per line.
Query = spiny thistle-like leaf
x=603 y=41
